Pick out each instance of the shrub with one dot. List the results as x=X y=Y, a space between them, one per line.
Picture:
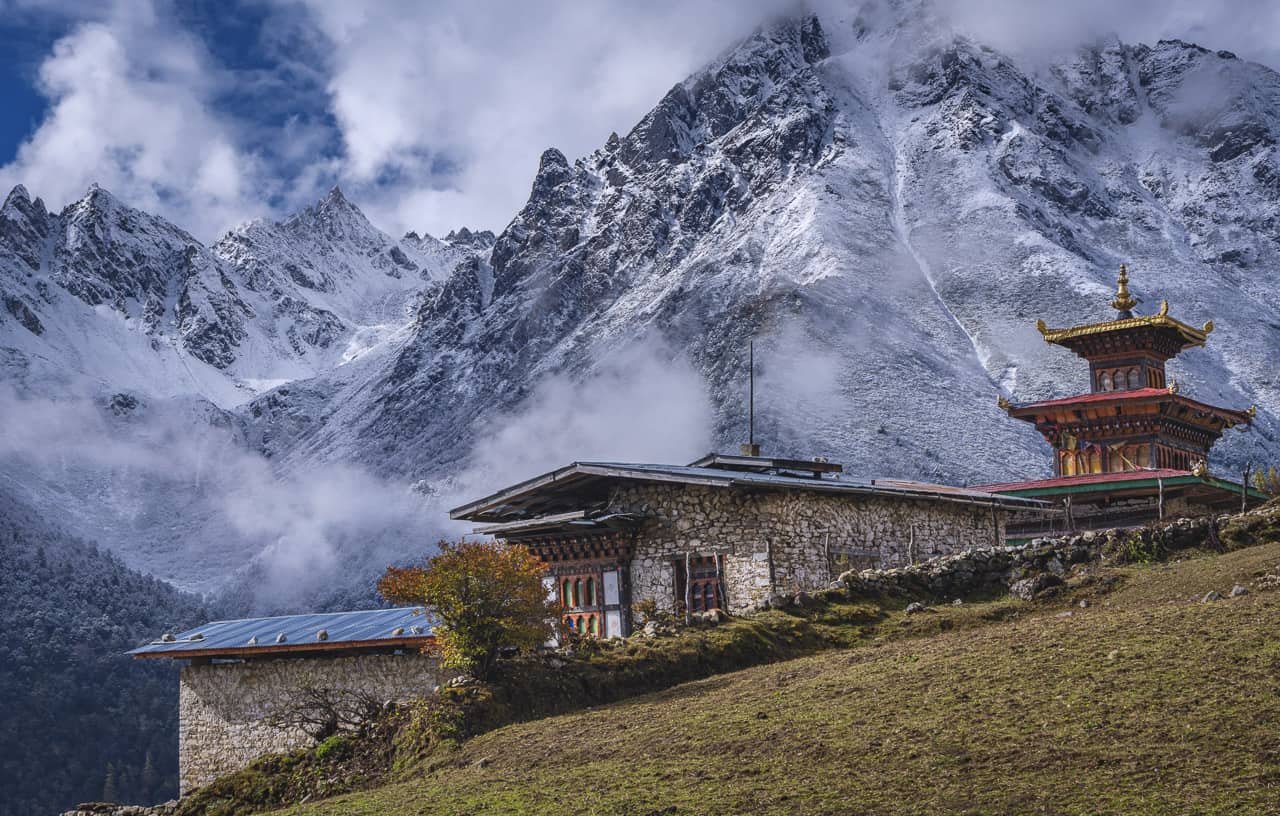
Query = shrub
x=486 y=597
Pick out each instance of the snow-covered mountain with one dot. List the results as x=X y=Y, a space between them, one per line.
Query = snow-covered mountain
x=885 y=205
x=130 y=301
x=126 y=347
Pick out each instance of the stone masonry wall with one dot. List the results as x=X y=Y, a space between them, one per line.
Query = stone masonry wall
x=1027 y=568
x=225 y=708
x=788 y=541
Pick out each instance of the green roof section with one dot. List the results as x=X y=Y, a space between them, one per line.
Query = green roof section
x=1155 y=482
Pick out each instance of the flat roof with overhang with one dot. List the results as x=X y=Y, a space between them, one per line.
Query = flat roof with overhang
x=572 y=488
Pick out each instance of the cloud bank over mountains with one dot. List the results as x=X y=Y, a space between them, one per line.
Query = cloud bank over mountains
x=431 y=116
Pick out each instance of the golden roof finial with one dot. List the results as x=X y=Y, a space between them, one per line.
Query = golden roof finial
x=1123 y=301
x=1002 y=403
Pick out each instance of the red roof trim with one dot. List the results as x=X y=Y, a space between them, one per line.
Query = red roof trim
x=1127 y=396
x=1088 y=478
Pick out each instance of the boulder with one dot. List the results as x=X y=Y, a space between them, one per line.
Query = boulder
x=778 y=601
x=1212 y=596
x=1027 y=589
x=1237 y=591
x=711 y=616
x=915 y=607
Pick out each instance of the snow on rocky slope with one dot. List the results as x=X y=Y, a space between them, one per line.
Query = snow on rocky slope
x=125 y=345
x=885 y=205
x=130 y=301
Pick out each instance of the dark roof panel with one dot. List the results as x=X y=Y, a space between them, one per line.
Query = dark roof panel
x=513 y=503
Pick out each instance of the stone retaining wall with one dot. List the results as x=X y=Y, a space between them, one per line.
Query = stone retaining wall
x=226 y=709
x=788 y=541
x=990 y=569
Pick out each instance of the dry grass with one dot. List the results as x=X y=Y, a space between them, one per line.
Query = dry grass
x=1146 y=702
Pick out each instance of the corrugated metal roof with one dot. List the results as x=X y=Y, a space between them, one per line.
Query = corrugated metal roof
x=296 y=633
x=837 y=483
x=481 y=509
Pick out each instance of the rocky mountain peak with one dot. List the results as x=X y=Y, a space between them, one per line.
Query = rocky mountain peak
x=334 y=217
x=18 y=205
x=463 y=237
x=17 y=197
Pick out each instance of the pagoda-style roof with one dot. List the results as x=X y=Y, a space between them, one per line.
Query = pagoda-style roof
x=1158 y=333
x=1034 y=411
x=1077 y=336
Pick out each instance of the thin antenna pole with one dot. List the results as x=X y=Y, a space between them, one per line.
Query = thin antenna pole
x=751 y=393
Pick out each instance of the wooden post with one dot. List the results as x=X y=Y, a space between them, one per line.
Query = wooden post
x=688 y=590
x=1070 y=521
x=1160 y=500
x=995 y=526
x=1244 y=488
x=773 y=578
x=911 y=545
x=826 y=547
x=720 y=589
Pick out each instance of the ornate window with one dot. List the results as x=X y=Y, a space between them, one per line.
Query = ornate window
x=1105 y=381
x=579 y=595
x=701 y=586
x=1135 y=379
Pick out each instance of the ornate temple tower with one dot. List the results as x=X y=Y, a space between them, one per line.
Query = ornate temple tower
x=1134 y=417
x=1134 y=448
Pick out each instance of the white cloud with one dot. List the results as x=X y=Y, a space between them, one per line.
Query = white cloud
x=1029 y=27
x=131 y=109
x=454 y=102
x=440 y=109
x=644 y=403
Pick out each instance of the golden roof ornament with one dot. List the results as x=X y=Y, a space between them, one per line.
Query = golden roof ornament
x=1200 y=469
x=1252 y=412
x=1123 y=301
x=1002 y=403
x=1174 y=387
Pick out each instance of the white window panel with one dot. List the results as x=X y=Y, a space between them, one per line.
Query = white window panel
x=611 y=588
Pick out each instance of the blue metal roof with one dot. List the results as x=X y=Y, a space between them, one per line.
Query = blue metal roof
x=330 y=631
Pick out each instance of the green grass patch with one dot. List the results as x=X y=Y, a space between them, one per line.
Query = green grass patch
x=1144 y=702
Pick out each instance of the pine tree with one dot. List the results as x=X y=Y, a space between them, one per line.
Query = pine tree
x=150 y=779
x=109 y=792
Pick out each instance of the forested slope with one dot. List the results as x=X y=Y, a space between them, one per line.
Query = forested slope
x=79 y=719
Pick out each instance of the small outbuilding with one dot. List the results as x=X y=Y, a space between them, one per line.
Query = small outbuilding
x=265 y=685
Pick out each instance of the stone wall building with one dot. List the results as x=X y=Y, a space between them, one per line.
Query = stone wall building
x=725 y=532
x=250 y=683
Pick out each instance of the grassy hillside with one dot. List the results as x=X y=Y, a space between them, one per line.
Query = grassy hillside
x=1146 y=701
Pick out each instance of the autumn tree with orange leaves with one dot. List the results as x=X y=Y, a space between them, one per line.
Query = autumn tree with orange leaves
x=485 y=597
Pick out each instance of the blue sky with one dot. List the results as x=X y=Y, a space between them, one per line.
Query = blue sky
x=431 y=115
